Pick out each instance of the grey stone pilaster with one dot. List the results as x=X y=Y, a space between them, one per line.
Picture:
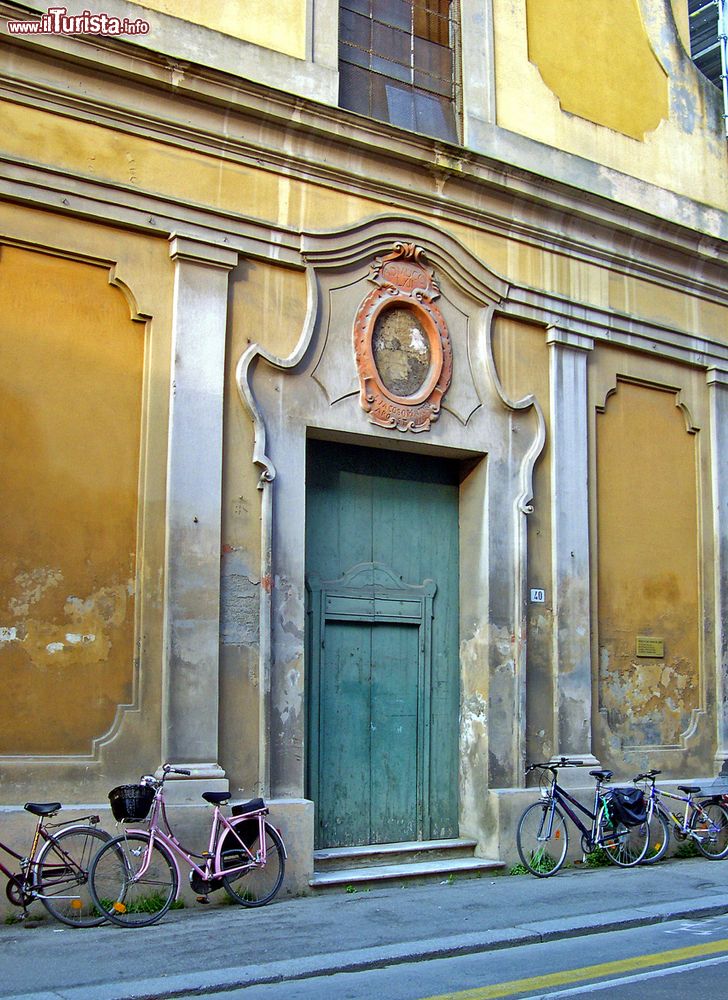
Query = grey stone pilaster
x=194 y=498
x=718 y=387
x=570 y=554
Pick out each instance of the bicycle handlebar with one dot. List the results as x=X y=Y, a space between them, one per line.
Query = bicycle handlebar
x=553 y=765
x=648 y=775
x=167 y=769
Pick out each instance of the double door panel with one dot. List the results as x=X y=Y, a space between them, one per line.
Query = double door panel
x=369 y=726
x=382 y=679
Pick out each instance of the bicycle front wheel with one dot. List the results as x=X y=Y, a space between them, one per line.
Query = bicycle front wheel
x=133 y=882
x=61 y=875
x=542 y=839
x=659 y=837
x=258 y=882
x=709 y=827
x=625 y=846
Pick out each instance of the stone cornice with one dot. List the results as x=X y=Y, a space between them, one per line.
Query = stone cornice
x=578 y=325
x=155 y=215
x=567 y=321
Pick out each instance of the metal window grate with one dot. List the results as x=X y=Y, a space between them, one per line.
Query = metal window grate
x=704 y=41
x=396 y=63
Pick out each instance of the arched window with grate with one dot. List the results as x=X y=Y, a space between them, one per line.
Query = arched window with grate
x=397 y=63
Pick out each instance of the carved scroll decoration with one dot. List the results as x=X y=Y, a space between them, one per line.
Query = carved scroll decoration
x=402 y=343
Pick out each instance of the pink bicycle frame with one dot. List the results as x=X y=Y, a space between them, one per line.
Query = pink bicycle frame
x=213 y=854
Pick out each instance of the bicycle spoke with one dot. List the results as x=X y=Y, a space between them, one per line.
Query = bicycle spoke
x=542 y=839
x=61 y=875
x=252 y=883
x=122 y=892
x=709 y=830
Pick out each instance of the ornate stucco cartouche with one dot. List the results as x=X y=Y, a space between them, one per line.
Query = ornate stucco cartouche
x=408 y=399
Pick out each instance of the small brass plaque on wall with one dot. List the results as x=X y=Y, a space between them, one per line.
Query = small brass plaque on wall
x=648 y=645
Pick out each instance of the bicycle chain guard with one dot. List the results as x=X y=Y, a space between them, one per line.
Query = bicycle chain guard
x=203 y=886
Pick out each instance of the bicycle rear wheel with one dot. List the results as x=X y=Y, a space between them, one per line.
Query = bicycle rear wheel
x=61 y=875
x=259 y=883
x=542 y=839
x=709 y=825
x=659 y=837
x=625 y=846
x=126 y=892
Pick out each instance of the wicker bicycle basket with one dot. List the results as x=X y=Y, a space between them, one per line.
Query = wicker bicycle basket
x=131 y=802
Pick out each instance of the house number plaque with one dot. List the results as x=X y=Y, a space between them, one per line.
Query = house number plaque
x=402 y=344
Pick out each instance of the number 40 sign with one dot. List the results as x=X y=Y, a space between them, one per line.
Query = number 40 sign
x=538 y=596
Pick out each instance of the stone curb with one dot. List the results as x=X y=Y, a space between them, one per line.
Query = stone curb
x=223 y=980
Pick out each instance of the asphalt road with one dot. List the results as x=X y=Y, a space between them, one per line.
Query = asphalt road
x=682 y=959
x=394 y=941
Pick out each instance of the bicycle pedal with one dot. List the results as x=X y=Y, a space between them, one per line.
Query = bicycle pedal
x=202 y=899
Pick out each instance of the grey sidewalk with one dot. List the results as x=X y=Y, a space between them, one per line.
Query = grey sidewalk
x=202 y=949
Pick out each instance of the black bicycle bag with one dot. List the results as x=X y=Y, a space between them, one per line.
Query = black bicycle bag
x=627 y=805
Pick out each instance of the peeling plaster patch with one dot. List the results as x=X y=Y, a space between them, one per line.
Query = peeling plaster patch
x=473 y=724
x=32 y=586
x=107 y=604
x=647 y=703
x=290 y=620
x=239 y=601
x=239 y=611
x=291 y=700
x=474 y=734
x=8 y=634
x=74 y=638
x=88 y=630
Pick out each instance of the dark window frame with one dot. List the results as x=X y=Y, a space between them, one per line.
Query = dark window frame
x=395 y=67
x=704 y=40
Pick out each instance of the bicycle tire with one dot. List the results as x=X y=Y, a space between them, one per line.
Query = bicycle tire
x=625 y=846
x=125 y=900
x=258 y=884
x=542 y=856
x=61 y=875
x=659 y=842
x=709 y=827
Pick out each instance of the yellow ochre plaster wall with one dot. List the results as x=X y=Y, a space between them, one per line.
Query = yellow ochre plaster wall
x=648 y=576
x=274 y=24
x=597 y=59
x=589 y=77
x=70 y=407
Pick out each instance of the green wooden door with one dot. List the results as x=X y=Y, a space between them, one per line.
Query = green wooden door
x=382 y=663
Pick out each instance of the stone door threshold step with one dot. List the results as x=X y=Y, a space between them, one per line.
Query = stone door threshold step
x=383 y=873
x=407 y=846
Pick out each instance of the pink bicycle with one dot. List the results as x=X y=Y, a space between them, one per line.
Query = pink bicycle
x=135 y=878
